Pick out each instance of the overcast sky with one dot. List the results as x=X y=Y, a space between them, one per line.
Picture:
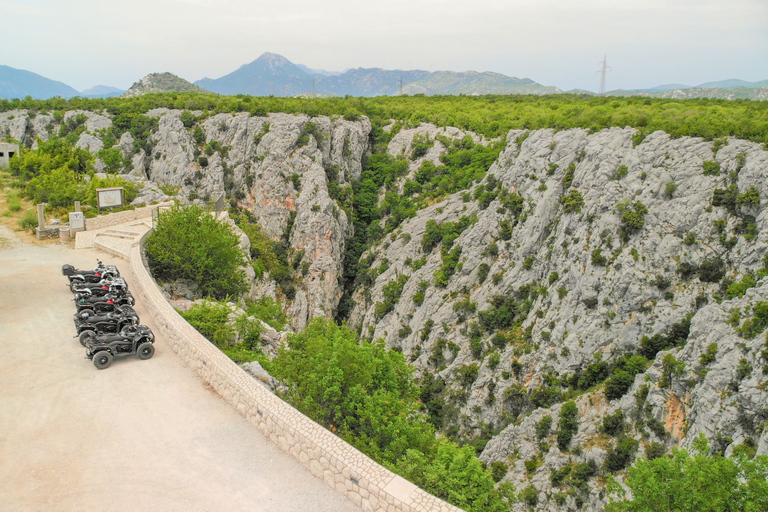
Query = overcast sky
x=554 y=42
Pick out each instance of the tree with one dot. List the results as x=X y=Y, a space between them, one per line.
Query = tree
x=189 y=243
x=366 y=394
x=681 y=482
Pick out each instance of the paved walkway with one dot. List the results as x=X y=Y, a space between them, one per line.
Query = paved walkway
x=140 y=435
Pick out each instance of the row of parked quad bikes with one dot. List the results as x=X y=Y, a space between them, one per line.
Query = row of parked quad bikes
x=106 y=323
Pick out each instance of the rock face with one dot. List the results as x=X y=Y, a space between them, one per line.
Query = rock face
x=278 y=167
x=591 y=291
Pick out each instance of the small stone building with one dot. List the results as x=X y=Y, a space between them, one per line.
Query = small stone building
x=7 y=150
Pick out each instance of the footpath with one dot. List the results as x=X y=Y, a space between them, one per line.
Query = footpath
x=140 y=435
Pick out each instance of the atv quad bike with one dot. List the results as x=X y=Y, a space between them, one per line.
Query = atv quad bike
x=112 y=285
x=88 y=322
x=132 y=339
x=90 y=276
x=105 y=303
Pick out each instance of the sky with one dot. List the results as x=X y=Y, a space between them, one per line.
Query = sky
x=647 y=43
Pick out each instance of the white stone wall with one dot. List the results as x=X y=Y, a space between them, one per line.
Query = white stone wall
x=113 y=219
x=350 y=472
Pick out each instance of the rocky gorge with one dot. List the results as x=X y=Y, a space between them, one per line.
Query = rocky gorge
x=616 y=275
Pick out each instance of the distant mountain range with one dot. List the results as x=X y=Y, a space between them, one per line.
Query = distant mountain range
x=273 y=74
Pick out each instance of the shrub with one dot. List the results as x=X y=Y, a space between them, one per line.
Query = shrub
x=543 y=426
x=567 y=425
x=621 y=172
x=749 y=198
x=619 y=457
x=757 y=324
x=28 y=220
x=598 y=259
x=699 y=482
x=670 y=189
x=632 y=220
x=498 y=470
x=468 y=374
x=529 y=496
x=614 y=424
x=712 y=270
x=189 y=243
x=210 y=320
x=618 y=384
x=711 y=168
x=572 y=202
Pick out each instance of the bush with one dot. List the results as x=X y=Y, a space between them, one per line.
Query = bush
x=619 y=457
x=621 y=171
x=712 y=270
x=189 y=243
x=572 y=202
x=670 y=189
x=543 y=426
x=567 y=425
x=682 y=482
x=614 y=424
x=632 y=220
x=210 y=320
x=711 y=168
x=28 y=220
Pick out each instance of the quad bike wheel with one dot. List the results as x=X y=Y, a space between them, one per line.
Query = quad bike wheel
x=146 y=350
x=86 y=335
x=102 y=359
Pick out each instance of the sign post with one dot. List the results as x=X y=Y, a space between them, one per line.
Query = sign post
x=110 y=197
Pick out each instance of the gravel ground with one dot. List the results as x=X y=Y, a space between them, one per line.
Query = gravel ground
x=140 y=435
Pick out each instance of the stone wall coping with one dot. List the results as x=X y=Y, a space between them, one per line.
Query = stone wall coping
x=343 y=467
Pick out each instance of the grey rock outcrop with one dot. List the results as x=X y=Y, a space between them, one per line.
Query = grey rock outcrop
x=281 y=179
x=581 y=303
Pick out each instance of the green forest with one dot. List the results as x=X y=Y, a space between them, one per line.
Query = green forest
x=491 y=116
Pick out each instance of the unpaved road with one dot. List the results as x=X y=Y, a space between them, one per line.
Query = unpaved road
x=140 y=435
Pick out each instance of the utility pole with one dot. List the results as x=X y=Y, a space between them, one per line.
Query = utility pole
x=401 y=86
x=605 y=67
x=313 y=86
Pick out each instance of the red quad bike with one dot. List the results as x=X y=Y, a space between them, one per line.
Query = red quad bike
x=131 y=340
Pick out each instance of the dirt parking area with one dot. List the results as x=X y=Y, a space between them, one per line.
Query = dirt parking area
x=140 y=435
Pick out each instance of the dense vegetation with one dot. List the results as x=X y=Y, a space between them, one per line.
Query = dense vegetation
x=681 y=482
x=490 y=115
x=58 y=173
x=367 y=395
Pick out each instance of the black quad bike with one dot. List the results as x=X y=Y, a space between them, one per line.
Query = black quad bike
x=88 y=322
x=105 y=303
x=103 y=287
x=90 y=276
x=132 y=339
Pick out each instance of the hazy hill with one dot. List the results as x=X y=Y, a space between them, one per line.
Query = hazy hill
x=101 y=91
x=19 y=83
x=161 y=82
x=270 y=74
x=273 y=74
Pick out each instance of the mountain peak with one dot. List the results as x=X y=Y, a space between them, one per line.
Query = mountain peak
x=161 y=82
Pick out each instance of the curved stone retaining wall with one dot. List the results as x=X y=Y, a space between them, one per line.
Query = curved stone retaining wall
x=113 y=219
x=350 y=472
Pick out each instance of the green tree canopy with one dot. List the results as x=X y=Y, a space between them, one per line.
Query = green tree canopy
x=189 y=243
x=681 y=482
